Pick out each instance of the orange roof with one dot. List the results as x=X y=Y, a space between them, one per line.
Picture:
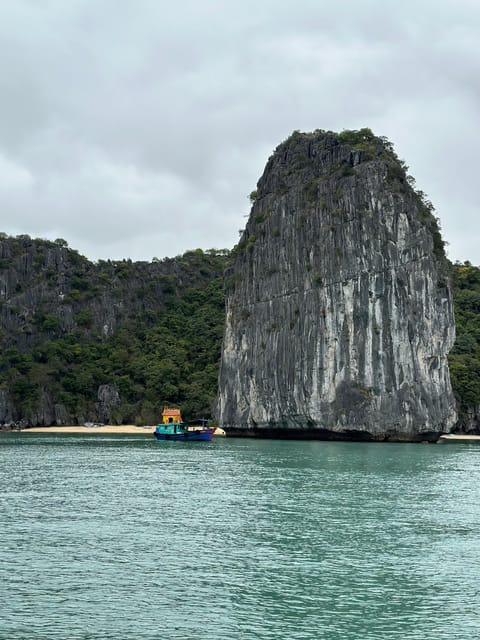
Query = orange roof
x=170 y=412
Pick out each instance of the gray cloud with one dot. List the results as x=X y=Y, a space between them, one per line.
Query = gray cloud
x=138 y=129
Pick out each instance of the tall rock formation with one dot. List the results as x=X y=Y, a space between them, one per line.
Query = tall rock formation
x=339 y=310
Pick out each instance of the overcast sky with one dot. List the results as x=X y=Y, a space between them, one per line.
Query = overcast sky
x=137 y=128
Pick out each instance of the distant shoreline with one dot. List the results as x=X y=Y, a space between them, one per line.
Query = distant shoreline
x=131 y=429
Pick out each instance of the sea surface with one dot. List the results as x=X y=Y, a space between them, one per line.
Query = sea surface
x=122 y=537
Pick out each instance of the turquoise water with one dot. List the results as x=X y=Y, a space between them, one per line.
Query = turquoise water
x=123 y=537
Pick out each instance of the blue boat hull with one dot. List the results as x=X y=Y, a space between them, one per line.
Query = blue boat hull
x=188 y=436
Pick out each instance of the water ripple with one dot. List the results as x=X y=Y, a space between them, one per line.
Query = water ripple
x=119 y=537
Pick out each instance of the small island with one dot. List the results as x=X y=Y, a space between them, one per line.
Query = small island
x=336 y=311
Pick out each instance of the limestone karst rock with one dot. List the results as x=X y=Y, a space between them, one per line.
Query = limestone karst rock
x=339 y=310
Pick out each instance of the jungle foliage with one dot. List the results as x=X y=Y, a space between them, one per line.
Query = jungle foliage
x=165 y=348
x=464 y=359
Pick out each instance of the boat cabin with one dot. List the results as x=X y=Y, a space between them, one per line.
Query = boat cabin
x=171 y=415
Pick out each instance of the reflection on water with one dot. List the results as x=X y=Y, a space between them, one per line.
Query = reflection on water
x=121 y=536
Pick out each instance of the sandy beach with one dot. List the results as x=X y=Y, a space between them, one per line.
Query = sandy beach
x=109 y=428
x=461 y=437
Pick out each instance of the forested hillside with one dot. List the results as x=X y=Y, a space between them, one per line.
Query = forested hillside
x=464 y=359
x=107 y=341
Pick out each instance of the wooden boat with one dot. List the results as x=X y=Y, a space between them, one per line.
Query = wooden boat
x=172 y=427
x=181 y=431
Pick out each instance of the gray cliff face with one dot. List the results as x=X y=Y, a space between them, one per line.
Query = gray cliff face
x=108 y=400
x=339 y=310
x=48 y=289
x=472 y=422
